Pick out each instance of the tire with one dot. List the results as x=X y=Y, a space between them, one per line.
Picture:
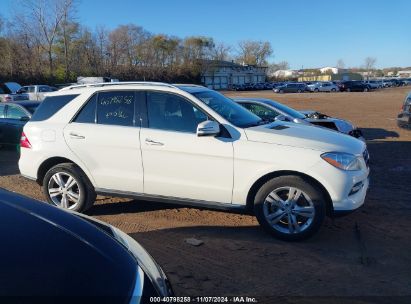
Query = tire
x=281 y=91
x=299 y=91
x=348 y=90
x=333 y=90
x=311 y=201
x=366 y=89
x=316 y=90
x=79 y=193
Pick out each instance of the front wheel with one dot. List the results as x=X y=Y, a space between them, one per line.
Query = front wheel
x=365 y=89
x=67 y=187
x=290 y=208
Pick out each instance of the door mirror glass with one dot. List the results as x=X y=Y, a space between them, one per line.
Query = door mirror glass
x=208 y=128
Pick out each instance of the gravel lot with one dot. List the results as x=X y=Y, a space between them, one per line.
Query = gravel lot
x=364 y=254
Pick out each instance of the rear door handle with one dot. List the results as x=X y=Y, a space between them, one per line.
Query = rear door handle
x=76 y=136
x=153 y=142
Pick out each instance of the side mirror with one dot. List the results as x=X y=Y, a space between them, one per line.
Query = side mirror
x=21 y=91
x=24 y=118
x=208 y=128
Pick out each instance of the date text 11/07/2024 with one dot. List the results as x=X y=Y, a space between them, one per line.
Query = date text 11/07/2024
x=235 y=299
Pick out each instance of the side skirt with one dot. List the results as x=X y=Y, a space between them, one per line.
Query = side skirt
x=173 y=200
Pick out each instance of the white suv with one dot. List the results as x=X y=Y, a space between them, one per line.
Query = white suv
x=191 y=145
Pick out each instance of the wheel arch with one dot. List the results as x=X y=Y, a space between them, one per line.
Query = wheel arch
x=263 y=179
x=47 y=164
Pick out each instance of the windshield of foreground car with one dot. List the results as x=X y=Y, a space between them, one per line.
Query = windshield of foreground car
x=227 y=108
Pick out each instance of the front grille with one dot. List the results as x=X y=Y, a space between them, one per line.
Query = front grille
x=366 y=157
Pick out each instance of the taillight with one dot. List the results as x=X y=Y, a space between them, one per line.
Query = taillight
x=8 y=98
x=24 y=141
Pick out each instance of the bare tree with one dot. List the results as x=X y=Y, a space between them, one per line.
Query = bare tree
x=283 y=65
x=45 y=17
x=254 y=52
x=221 y=51
x=340 y=64
x=369 y=64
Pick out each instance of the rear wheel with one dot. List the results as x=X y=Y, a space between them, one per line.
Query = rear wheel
x=66 y=186
x=333 y=90
x=348 y=90
x=299 y=91
x=316 y=90
x=281 y=91
x=366 y=89
x=290 y=208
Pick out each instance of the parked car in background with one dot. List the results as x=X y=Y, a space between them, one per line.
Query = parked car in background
x=37 y=92
x=66 y=255
x=404 y=117
x=375 y=84
x=398 y=82
x=13 y=117
x=387 y=83
x=354 y=86
x=271 y=110
x=9 y=92
x=292 y=87
x=323 y=87
x=291 y=176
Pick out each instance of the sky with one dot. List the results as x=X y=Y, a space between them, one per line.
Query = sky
x=306 y=34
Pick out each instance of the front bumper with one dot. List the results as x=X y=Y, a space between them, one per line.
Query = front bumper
x=352 y=202
x=404 y=120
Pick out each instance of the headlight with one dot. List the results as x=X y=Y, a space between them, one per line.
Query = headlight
x=344 y=161
x=146 y=262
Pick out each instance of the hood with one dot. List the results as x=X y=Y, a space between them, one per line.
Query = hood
x=305 y=136
x=53 y=253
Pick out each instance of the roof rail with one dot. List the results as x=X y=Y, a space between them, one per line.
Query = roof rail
x=103 y=84
x=188 y=85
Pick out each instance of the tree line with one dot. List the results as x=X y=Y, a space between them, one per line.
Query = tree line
x=44 y=43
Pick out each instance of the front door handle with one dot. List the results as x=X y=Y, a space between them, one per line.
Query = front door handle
x=153 y=142
x=76 y=136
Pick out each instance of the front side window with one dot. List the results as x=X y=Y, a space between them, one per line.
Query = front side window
x=14 y=112
x=173 y=113
x=43 y=89
x=116 y=108
x=261 y=111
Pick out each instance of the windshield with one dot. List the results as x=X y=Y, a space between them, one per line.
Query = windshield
x=289 y=111
x=233 y=112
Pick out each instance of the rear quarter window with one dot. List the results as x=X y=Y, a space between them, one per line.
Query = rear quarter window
x=50 y=106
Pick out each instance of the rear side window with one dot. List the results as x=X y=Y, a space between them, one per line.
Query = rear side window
x=14 y=112
x=88 y=113
x=50 y=106
x=116 y=108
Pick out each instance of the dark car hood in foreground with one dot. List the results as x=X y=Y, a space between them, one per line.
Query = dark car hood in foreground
x=48 y=252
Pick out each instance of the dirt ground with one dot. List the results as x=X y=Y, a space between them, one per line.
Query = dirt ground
x=364 y=254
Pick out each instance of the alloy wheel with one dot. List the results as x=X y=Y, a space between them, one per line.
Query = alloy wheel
x=64 y=190
x=289 y=210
